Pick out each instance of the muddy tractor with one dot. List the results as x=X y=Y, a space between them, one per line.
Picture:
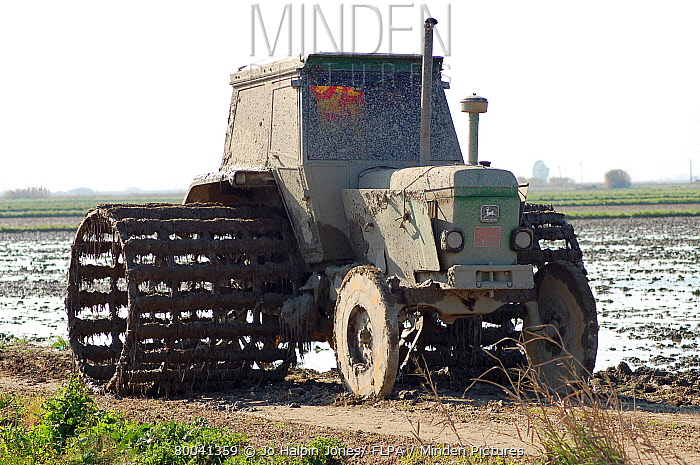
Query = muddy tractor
x=344 y=212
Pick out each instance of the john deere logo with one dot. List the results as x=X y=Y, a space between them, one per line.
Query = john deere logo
x=489 y=213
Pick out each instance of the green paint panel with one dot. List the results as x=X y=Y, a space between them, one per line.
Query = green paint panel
x=479 y=241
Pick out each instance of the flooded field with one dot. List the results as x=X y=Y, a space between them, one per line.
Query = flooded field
x=33 y=269
x=645 y=275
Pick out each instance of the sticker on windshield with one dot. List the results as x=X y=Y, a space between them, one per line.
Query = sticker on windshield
x=338 y=102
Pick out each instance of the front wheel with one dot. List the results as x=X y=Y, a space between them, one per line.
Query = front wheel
x=366 y=333
x=563 y=349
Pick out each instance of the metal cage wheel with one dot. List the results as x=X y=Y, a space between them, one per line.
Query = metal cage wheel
x=366 y=333
x=564 y=348
x=171 y=298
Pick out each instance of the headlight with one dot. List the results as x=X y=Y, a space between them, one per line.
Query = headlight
x=522 y=239
x=452 y=240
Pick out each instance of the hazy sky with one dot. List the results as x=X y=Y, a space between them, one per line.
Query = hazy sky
x=109 y=95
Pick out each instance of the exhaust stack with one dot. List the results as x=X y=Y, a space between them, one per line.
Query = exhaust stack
x=474 y=105
x=426 y=92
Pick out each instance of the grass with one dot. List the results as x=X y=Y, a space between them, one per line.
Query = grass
x=38 y=227
x=60 y=343
x=424 y=455
x=570 y=426
x=43 y=210
x=12 y=409
x=69 y=429
x=643 y=195
x=649 y=201
x=639 y=195
x=662 y=424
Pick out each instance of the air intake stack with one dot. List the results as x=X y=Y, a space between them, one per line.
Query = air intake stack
x=474 y=105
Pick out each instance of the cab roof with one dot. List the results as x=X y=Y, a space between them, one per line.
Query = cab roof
x=336 y=61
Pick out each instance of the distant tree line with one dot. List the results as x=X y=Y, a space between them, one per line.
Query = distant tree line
x=27 y=193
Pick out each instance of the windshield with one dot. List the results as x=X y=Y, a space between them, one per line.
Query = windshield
x=372 y=115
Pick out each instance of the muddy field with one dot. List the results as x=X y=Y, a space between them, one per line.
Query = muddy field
x=33 y=270
x=645 y=275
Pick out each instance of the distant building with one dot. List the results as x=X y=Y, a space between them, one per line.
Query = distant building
x=540 y=170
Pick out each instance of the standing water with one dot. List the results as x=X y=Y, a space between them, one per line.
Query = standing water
x=645 y=275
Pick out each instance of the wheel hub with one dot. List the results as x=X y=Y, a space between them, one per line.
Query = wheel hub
x=360 y=331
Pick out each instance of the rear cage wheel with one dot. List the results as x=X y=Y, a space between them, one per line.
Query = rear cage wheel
x=549 y=226
x=168 y=298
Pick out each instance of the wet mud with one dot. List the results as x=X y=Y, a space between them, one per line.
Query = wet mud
x=644 y=272
x=645 y=276
x=33 y=270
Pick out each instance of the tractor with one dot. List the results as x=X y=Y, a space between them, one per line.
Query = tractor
x=343 y=211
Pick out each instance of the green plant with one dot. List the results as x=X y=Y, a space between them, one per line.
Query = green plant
x=561 y=182
x=27 y=193
x=322 y=444
x=60 y=343
x=72 y=430
x=41 y=227
x=663 y=424
x=63 y=414
x=11 y=409
x=638 y=195
x=629 y=214
x=617 y=179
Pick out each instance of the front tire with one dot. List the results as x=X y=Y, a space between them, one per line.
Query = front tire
x=366 y=333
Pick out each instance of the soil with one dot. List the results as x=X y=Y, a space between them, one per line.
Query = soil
x=309 y=405
x=644 y=272
x=27 y=222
